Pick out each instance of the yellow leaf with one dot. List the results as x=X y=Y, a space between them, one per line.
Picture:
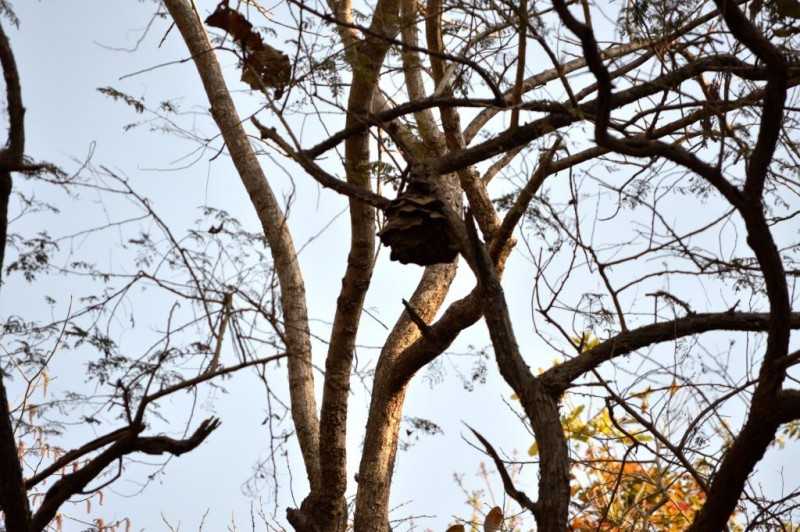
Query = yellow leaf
x=533 y=450
x=575 y=412
x=603 y=423
x=585 y=341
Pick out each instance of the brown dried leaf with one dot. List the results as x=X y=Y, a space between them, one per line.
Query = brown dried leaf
x=264 y=66
x=236 y=25
x=493 y=520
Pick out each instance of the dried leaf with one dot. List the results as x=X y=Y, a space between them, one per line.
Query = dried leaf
x=264 y=66
x=493 y=520
x=235 y=24
x=267 y=67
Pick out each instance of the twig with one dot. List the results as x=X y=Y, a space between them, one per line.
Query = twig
x=320 y=175
x=424 y=328
x=508 y=484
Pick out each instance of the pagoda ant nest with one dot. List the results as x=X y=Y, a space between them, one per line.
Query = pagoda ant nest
x=416 y=228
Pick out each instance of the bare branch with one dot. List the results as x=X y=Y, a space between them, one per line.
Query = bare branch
x=560 y=377
x=13 y=497
x=293 y=299
x=320 y=175
x=508 y=484
x=76 y=482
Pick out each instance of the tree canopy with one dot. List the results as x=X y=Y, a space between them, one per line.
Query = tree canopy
x=627 y=171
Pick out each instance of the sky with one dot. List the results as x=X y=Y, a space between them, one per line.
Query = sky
x=65 y=51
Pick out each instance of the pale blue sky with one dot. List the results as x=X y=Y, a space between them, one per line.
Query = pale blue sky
x=62 y=50
x=63 y=53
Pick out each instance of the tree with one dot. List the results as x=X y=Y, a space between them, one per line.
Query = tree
x=669 y=144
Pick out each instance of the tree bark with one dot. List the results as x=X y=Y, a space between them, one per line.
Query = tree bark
x=385 y=412
x=13 y=495
x=276 y=231
x=367 y=58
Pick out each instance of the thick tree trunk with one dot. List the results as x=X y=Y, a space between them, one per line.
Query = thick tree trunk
x=367 y=60
x=273 y=221
x=385 y=413
x=13 y=495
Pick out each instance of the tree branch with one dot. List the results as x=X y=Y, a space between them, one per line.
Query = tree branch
x=540 y=404
x=12 y=155
x=508 y=484
x=321 y=176
x=524 y=198
x=76 y=482
x=13 y=497
x=75 y=454
x=371 y=32
x=759 y=429
x=273 y=222
x=526 y=133
x=772 y=111
x=560 y=377
x=330 y=512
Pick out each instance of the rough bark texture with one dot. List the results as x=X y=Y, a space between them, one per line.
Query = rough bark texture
x=276 y=231
x=476 y=193
x=368 y=59
x=385 y=412
x=442 y=157
x=540 y=404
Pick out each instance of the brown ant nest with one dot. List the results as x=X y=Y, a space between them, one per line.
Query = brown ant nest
x=416 y=228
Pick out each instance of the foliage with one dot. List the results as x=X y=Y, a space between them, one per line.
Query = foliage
x=630 y=188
